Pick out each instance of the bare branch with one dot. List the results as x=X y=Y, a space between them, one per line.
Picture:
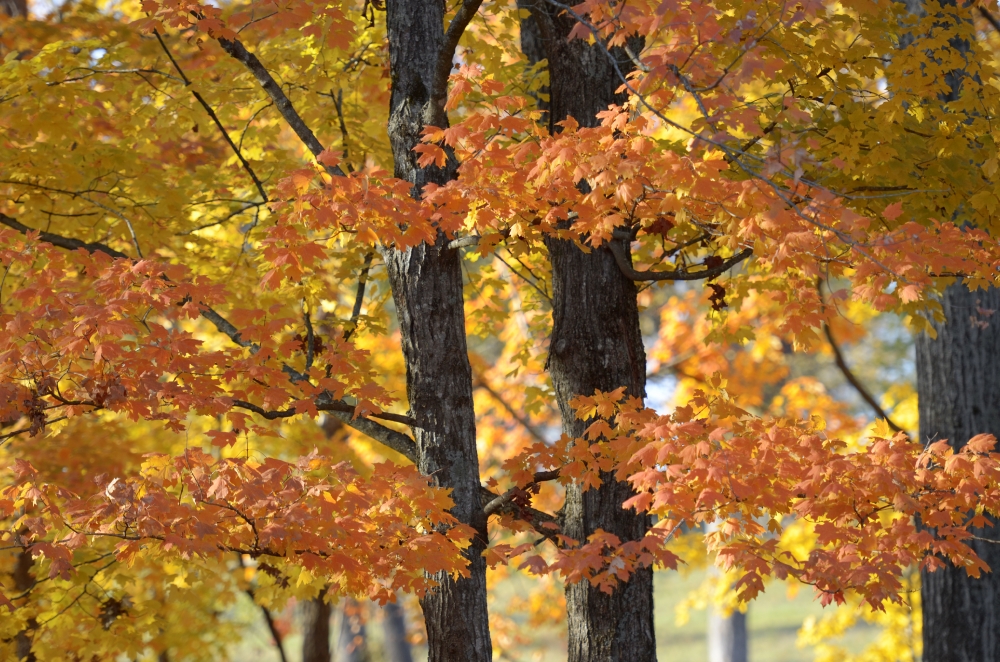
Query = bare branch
x=322 y=404
x=215 y=118
x=499 y=503
x=462 y=242
x=461 y=20
x=237 y=50
x=838 y=358
x=990 y=17
x=68 y=243
x=359 y=297
x=540 y=521
x=625 y=265
x=517 y=416
x=397 y=441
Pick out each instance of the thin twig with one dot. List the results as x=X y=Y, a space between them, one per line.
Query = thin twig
x=237 y=50
x=215 y=118
x=359 y=296
x=522 y=420
x=838 y=358
x=268 y=618
x=621 y=259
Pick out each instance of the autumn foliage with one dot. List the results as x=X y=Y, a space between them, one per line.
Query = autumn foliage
x=194 y=202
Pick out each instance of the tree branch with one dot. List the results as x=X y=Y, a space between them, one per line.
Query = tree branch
x=990 y=17
x=461 y=20
x=388 y=437
x=541 y=522
x=462 y=242
x=322 y=404
x=268 y=618
x=498 y=503
x=359 y=296
x=524 y=422
x=215 y=118
x=621 y=258
x=237 y=50
x=397 y=441
x=838 y=357
x=68 y=243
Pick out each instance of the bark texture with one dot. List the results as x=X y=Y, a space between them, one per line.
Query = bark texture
x=958 y=384
x=427 y=290
x=596 y=345
x=314 y=617
x=958 y=380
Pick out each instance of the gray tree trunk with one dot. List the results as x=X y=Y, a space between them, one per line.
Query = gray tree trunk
x=427 y=290
x=14 y=8
x=397 y=646
x=958 y=384
x=23 y=582
x=958 y=380
x=596 y=345
x=314 y=618
x=352 y=641
x=727 y=636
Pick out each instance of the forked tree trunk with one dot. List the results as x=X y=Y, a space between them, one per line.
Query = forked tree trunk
x=596 y=345
x=958 y=380
x=427 y=290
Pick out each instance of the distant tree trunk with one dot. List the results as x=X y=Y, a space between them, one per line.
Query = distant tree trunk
x=23 y=581
x=596 y=345
x=397 y=645
x=314 y=618
x=727 y=636
x=958 y=380
x=427 y=289
x=14 y=7
x=352 y=638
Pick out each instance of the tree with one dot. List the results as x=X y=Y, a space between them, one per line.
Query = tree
x=958 y=372
x=596 y=345
x=205 y=257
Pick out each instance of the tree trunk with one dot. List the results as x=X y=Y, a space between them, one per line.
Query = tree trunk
x=427 y=290
x=397 y=646
x=596 y=345
x=352 y=642
x=14 y=8
x=727 y=636
x=314 y=618
x=958 y=384
x=958 y=380
x=23 y=581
